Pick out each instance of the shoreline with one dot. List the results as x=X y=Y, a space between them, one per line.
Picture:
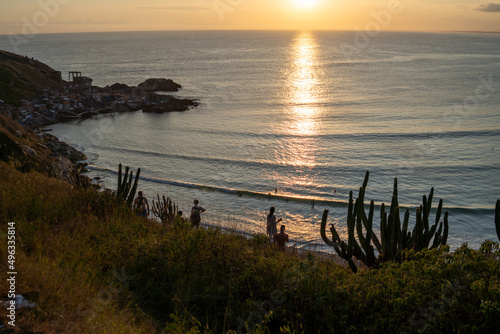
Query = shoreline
x=49 y=100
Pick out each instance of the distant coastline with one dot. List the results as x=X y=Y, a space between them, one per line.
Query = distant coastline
x=36 y=95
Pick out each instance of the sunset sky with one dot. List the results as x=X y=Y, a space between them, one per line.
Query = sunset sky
x=54 y=16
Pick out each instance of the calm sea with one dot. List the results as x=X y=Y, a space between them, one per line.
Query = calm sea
x=306 y=113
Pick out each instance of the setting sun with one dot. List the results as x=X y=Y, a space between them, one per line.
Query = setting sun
x=305 y=3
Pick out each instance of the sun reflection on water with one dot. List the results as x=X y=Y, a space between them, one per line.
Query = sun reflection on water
x=303 y=122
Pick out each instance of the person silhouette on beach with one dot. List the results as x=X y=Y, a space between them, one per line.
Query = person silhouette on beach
x=141 y=205
x=195 y=217
x=271 y=223
x=281 y=239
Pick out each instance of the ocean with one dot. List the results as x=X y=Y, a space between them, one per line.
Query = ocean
x=295 y=119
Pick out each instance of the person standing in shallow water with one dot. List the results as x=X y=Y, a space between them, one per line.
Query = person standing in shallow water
x=141 y=205
x=196 y=210
x=281 y=239
x=271 y=223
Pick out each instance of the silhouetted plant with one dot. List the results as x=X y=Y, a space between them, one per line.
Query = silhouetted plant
x=394 y=237
x=125 y=188
x=165 y=210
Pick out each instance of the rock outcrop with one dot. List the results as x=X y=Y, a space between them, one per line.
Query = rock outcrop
x=41 y=152
x=160 y=85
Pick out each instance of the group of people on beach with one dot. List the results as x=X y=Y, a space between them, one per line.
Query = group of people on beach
x=279 y=239
x=141 y=208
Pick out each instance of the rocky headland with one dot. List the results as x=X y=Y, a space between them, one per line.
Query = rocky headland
x=34 y=95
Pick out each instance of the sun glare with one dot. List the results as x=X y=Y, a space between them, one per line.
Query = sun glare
x=304 y=4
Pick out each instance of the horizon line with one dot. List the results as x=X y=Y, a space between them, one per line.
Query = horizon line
x=249 y=30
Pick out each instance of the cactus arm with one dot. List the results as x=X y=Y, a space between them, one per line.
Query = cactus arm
x=439 y=210
x=446 y=227
x=351 y=240
x=156 y=208
x=129 y=185
x=352 y=265
x=131 y=195
x=118 y=187
x=323 y=231
x=124 y=182
x=431 y=197
x=425 y=214
x=438 y=237
x=383 y=235
x=418 y=230
x=368 y=227
x=365 y=182
x=377 y=242
x=370 y=257
x=404 y=231
x=397 y=241
x=374 y=237
x=359 y=228
x=394 y=203
x=350 y=207
x=432 y=233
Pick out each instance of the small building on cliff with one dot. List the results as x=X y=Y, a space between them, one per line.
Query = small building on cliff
x=78 y=84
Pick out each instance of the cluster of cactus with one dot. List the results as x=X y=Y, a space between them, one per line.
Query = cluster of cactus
x=165 y=210
x=394 y=236
x=497 y=218
x=126 y=190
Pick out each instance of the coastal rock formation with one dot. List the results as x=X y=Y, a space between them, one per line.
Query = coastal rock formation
x=160 y=85
x=62 y=148
x=172 y=104
x=120 y=86
x=144 y=97
x=41 y=152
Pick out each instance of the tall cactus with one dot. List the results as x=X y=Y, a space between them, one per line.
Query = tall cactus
x=394 y=236
x=165 y=210
x=497 y=218
x=125 y=188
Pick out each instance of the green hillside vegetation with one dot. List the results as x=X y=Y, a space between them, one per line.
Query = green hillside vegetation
x=92 y=266
x=23 y=78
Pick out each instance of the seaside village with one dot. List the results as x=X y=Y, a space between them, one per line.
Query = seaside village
x=80 y=100
x=78 y=96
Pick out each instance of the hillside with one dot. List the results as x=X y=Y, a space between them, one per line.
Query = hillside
x=24 y=78
x=87 y=264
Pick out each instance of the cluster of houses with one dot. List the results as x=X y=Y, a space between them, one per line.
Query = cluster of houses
x=78 y=98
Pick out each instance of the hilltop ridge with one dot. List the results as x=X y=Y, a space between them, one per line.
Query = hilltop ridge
x=22 y=77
